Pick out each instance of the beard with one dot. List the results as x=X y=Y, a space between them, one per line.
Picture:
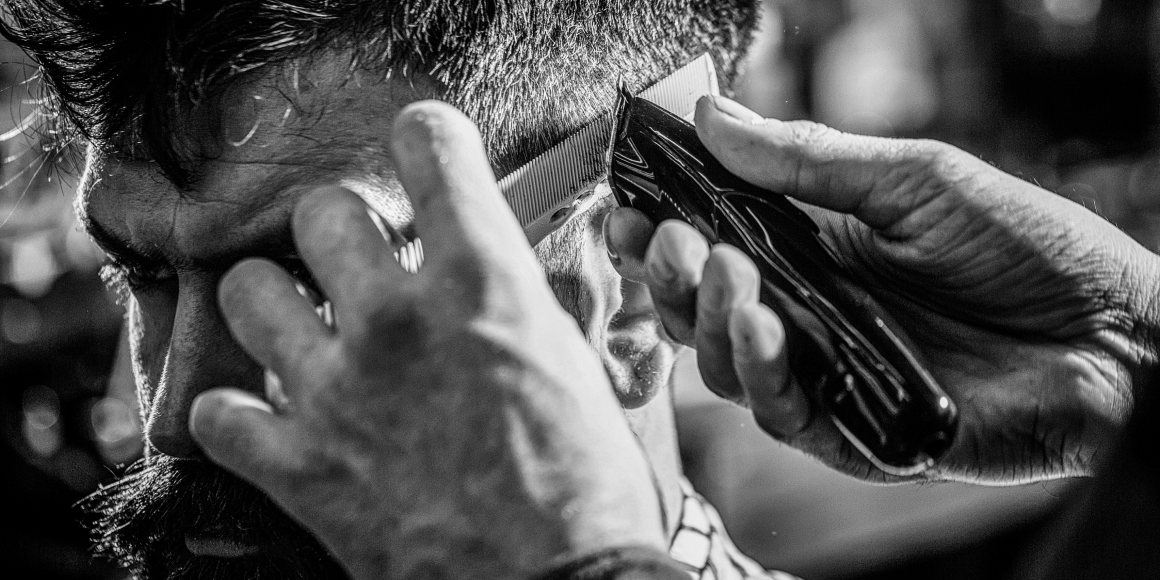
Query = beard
x=143 y=520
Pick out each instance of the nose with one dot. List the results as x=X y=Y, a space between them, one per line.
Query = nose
x=202 y=354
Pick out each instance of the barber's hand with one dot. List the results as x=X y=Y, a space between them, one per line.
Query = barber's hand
x=1035 y=315
x=454 y=423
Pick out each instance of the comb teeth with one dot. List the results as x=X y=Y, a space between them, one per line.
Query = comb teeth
x=551 y=188
x=569 y=166
x=678 y=93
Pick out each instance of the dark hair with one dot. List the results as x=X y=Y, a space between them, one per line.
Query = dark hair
x=123 y=73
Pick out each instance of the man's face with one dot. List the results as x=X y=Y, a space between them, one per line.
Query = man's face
x=264 y=144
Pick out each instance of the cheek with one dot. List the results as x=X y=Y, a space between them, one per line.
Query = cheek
x=150 y=324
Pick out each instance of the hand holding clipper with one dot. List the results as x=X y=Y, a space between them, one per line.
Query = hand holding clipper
x=845 y=349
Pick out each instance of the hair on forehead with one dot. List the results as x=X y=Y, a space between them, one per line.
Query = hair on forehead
x=125 y=73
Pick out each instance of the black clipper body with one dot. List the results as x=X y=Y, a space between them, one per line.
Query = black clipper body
x=844 y=348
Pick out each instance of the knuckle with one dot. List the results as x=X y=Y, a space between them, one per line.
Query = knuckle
x=813 y=132
x=455 y=291
x=942 y=170
x=820 y=144
x=677 y=292
x=397 y=327
x=675 y=231
x=816 y=149
x=735 y=264
x=464 y=280
x=932 y=158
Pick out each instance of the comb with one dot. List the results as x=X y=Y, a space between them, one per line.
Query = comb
x=566 y=179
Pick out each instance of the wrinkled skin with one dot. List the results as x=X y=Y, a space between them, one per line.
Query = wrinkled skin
x=395 y=485
x=269 y=142
x=1038 y=394
x=1031 y=342
x=1037 y=316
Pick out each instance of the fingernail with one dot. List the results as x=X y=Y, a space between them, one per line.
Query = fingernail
x=747 y=340
x=208 y=406
x=735 y=110
x=613 y=255
x=717 y=298
x=275 y=394
x=756 y=334
x=672 y=251
x=662 y=271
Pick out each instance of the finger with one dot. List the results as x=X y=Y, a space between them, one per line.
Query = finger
x=345 y=251
x=240 y=432
x=458 y=207
x=878 y=180
x=626 y=237
x=759 y=359
x=729 y=281
x=674 y=262
x=274 y=323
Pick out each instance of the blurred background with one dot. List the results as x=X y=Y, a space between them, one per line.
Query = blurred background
x=64 y=424
x=1060 y=92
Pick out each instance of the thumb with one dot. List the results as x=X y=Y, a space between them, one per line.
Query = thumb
x=876 y=179
x=240 y=432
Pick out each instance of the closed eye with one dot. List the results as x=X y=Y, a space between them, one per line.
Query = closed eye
x=125 y=277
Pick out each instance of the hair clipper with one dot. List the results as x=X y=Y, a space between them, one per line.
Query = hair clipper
x=844 y=349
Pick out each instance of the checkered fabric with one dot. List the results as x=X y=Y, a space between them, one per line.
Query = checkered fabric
x=702 y=545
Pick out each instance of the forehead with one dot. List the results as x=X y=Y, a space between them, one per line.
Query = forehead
x=262 y=144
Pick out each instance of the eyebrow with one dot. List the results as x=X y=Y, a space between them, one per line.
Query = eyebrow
x=111 y=244
x=120 y=250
